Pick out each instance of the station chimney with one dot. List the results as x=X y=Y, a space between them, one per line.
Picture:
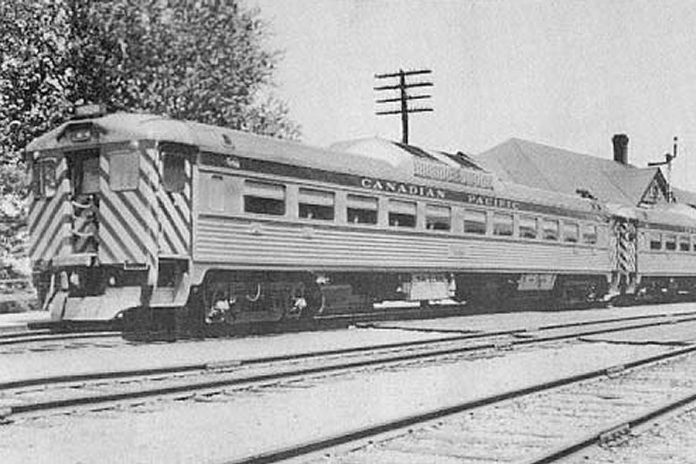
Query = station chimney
x=620 y=142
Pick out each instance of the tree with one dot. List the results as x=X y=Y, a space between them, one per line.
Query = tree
x=201 y=60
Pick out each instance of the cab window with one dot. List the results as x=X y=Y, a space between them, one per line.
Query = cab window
x=45 y=178
x=173 y=172
x=83 y=168
x=124 y=170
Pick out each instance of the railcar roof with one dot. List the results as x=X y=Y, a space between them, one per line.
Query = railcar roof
x=366 y=158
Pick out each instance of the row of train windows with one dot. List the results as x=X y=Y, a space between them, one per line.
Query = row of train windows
x=671 y=242
x=124 y=172
x=266 y=198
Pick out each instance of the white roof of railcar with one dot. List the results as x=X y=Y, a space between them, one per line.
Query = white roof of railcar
x=397 y=166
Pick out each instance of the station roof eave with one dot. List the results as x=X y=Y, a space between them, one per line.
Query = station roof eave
x=550 y=168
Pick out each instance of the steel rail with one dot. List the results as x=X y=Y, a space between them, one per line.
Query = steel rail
x=258 y=378
x=203 y=366
x=612 y=432
x=325 y=443
x=31 y=337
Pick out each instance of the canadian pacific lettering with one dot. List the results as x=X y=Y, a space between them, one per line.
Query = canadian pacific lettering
x=403 y=188
x=430 y=192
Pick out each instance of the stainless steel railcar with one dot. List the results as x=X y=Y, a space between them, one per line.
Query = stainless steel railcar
x=143 y=215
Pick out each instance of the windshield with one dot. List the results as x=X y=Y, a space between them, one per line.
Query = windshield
x=83 y=168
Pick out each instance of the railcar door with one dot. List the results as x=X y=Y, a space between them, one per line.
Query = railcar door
x=624 y=255
x=174 y=202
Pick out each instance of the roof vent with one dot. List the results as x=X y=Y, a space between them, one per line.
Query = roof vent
x=620 y=142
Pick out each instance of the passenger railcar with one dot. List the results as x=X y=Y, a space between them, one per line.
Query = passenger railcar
x=179 y=223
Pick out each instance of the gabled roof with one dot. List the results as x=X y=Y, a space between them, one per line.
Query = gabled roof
x=559 y=170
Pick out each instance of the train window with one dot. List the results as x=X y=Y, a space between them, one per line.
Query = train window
x=502 y=224
x=45 y=178
x=402 y=213
x=438 y=217
x=475 y=222
x=589 y=234
x=173 y=172
x=570 y=232
x=670 y=242
x=684 y=244
x=361 y=209
x=316 y=204
x=655 y=241
x=84 y=172
x=528 y=227
x=550 y=229
x=693 y=242
x=124 y=170
x=264 y=198
x=216 y=199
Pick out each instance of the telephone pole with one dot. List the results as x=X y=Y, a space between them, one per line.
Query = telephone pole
x=403 y=97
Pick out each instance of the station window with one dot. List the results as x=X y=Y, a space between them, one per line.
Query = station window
x=571 y=232
x=361 y=209
x=316 y=204
x=173 y=172
x=475 y=222
x=655 y=241
x=124 y=170
x=528 y=227
x=550 y=229
x=589 y=234
x=670 y=242
x=438 y=217
x=402 y=213
x=264 y=198
x=45 y=178
x=502 y=224
x=684 y=244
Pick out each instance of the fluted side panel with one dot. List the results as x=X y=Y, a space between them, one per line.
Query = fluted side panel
x=245 y=243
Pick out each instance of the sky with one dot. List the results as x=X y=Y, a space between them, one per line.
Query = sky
x=566 y=73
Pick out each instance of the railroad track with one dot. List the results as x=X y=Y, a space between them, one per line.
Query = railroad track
x=45 y=394
x=540 y=424
x=43 y=339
